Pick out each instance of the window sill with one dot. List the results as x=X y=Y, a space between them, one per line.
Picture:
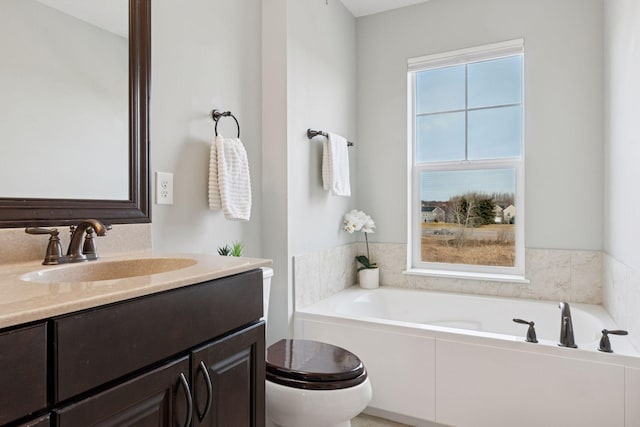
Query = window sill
x=486 y=277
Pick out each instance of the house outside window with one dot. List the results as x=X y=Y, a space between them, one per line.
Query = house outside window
x=466 y=183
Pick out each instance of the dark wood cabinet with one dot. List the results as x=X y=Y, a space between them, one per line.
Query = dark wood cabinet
x=23 y=372
x=103 y=344
x=192 y=356
x=228 y=380
x=160 y=398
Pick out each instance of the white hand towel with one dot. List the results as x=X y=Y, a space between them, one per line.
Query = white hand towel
x=335 y=165
x=215 y=203
x=233 y=178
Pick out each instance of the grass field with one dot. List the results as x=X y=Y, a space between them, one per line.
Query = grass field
x=486 y=245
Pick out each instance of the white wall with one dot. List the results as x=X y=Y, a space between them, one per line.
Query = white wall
x=275 y=218
x=622 y=131
x=205 y=55
x=621 y=288
x=321 y=89
x=563 y=108
x=314 y=45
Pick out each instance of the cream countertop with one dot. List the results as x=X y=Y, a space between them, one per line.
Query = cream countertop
x=26 y=301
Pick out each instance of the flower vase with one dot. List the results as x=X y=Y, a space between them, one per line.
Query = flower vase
x=369 y=278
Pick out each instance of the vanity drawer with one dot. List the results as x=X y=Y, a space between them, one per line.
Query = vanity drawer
x=100 y=345
x=23 y=372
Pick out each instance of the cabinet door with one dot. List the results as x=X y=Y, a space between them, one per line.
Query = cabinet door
x=158 y=398
x=23 y=372
x=228 y=380
x=145 y=330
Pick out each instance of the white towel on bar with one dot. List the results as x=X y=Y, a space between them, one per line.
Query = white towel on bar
x=335 y=165
x=229 y=179
x=215 y=204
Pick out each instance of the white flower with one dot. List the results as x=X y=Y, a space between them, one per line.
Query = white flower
x=368 y=226
x=356 y=220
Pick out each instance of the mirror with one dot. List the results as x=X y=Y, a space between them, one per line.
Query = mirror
x=79 y=94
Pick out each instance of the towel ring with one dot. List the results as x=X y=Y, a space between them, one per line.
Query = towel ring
x=217 y=115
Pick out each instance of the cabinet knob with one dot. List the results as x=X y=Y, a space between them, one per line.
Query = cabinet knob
x=187 y=393
x=207 y=380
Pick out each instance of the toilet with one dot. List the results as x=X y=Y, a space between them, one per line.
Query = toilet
x=310 y=383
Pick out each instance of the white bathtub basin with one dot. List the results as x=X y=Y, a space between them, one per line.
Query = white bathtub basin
x=460 y=360
x=470 y=313
x=478 y=313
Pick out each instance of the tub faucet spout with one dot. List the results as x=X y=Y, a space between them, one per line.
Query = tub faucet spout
x=566 y=327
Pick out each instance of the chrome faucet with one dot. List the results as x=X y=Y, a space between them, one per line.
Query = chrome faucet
x=566 y=326
x=88 y=226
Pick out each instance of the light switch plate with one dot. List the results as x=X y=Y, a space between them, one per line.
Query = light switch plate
x=164 y=188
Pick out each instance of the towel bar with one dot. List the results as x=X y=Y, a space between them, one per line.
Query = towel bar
x=217 y=115
x=313 y=133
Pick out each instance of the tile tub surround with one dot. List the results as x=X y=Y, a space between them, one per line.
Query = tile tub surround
x=555 y=275
x=18 y=246
x=621 y=296
x=319 y=275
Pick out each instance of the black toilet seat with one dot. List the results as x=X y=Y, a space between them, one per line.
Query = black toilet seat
x=313 y=365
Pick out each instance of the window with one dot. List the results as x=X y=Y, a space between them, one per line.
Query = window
x=466 y=165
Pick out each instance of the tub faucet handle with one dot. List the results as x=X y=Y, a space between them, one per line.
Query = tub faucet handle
x=531 y=332
x=605 y=344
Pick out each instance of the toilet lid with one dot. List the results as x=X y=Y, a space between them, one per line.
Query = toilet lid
x=313 y=365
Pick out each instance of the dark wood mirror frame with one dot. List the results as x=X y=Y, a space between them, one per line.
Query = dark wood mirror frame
x=50 y=212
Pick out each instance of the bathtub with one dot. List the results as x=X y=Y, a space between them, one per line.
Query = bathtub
x=437 y=358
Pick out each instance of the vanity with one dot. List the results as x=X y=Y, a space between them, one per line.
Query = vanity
x=139 y=339
x=183 y=347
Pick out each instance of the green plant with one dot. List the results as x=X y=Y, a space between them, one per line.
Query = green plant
x=234 y=250
x=224 y=250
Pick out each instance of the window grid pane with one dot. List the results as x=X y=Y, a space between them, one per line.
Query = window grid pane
x=441 y=137
x=495 y=82
x=494 y=133
x=441 y=89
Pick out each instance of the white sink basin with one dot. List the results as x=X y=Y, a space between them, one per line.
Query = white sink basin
x=95 y=271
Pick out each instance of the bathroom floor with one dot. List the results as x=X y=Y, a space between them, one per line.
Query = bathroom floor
x=363 y=420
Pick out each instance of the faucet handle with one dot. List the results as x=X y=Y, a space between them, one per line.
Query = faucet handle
x=89 y=246
x=53 y=255
x=605 y=344
x=531 y=332
x=41 y=230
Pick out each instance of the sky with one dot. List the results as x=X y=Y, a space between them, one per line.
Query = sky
x=469 y=112
x=442 y=185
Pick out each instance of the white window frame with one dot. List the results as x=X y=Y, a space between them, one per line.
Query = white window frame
x=467 y=271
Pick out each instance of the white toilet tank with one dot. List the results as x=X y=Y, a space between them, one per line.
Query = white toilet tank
x=267 y=274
